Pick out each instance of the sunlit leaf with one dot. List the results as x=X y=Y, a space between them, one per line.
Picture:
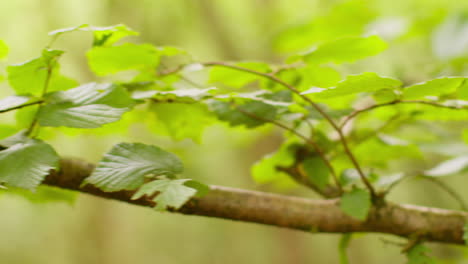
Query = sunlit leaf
x=365 y=82
x=126 y=165
x=356 y=203
x=129 y=56
x=87 y=106
x=30 y=77
x=266 y=170
x=3 y=49
x=445 y=85
x=346 y=50
x=183 y=120
x=345 y=19
x=26 y=164
x=236 y=78
x=171 y=193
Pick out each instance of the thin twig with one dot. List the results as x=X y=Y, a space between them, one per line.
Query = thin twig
x=306 y=139
x=21 y=106
x=449 y=191
x=316 y=107
x=363 y=110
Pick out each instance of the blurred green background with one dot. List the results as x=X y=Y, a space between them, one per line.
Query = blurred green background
x=421 y=34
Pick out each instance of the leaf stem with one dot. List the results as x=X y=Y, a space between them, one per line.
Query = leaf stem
x=314 y=105
x=369 y=108
x=314 y=145
x=21 y=106
x=44 y=91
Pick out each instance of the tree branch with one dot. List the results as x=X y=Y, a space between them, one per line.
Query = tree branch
x=434 y=224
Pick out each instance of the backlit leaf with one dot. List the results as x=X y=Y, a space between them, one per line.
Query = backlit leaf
x=346 y=50
x=3 y=49
x=445 y=85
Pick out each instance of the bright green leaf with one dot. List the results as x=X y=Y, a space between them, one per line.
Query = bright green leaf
x=87 y=106
x=346 y=50
x=317 y=171
x=171 y=193
x=237 y=78
x=26 y=164
x=30 y=77
x=3 y=49
x=436 y=87
x=183 y=120
x=365 y=82
x=103 y=36
x=356 y=203
x=126 y=165
x=129 y=56
x=266 y=169
x=348 y=18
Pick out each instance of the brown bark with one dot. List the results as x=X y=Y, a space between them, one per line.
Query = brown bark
x=432 y=224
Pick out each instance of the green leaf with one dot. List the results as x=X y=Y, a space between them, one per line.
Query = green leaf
x=171 y=193
x=27 y=163
x=237 y=78
x=29 y=77
x=13 y=101
x=448 y=167
x=183 y=120
x=418 y=255
x=244 y=114
x=87 y=106
x=190 y=95
x=346 y=50
x=365 y=82
x=3 y=49
x=103 y=36
x=129 y=56
x=343 y=246
x=126 y=165
x=348 y=18
x=44 y=194
x=266 y=169
x=356 y=203
x=317 y=171
x=436 y=87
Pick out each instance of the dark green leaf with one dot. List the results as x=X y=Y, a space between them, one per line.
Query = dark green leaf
x=126 y=165
x=346 y=50
x=356 y=203
x=26 y=164
x=171 y=193
x=129 y=56
x=87 y=106
x=251 y=114
x=418 y=255
x=317 y=171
